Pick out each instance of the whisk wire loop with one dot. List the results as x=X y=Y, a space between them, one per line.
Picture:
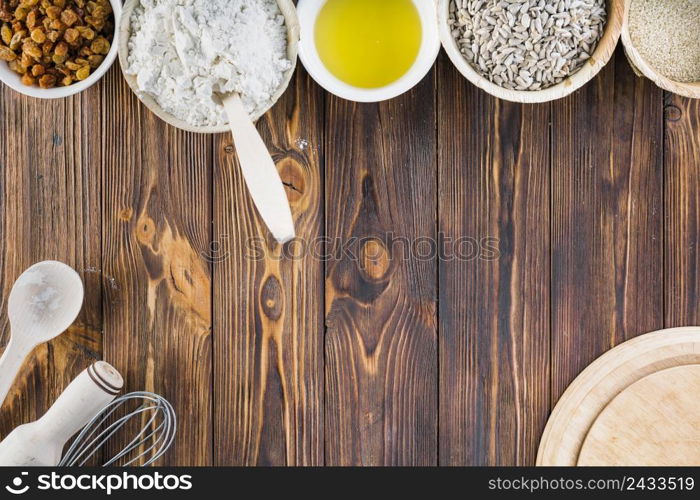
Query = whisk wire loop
x=153 y=439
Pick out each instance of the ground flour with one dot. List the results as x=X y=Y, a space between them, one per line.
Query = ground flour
x=183 y=52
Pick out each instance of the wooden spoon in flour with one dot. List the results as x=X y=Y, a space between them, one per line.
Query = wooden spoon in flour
x=259 y=171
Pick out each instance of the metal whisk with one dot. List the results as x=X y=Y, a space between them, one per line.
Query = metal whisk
x=148 y=445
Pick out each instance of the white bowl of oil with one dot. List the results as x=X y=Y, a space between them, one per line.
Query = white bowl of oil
x=368 y=50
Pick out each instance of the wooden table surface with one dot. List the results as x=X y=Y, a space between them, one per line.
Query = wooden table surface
x=563 y=229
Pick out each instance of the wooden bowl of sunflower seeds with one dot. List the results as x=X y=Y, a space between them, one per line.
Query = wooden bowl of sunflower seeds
x=530 y=50
x=661 y=42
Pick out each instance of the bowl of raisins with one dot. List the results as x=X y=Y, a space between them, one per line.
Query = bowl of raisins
x=56 y=48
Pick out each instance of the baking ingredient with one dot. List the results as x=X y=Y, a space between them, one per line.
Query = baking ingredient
x=527 y=44
x=48 y=300
x=185 y=52
x=43 y=299
x=368 y=43
x=665 y=33
x=55 y=42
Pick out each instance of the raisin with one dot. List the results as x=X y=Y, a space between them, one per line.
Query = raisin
x=86 y=32
x=71 y=35
x=95 y=61
x=53 y=12
x=33 y=19
x=5 y=14
x=100 y=46
x=96 y=23
x=17 y=67
x=61 y=49
x=6 y=34
x=28 y=79
x=38 y=35
x=17 y=38
x=6 y=54
x=26 y=60
x=82 y=73
x=57 y=24
x=69 y=17
x=30 y=47
x=21 y=13
x=58 y=59
x=47 y=81
x=38 y=70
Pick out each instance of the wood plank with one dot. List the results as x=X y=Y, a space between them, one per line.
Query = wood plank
x=50 y=209
x=682 y=179
x=381 y=352
x=268 y=301
x=607 y=203
x=157 y=228
x=493 y=193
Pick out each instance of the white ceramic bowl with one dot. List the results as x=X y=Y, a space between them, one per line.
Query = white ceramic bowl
x=124 y=27
x=430 y=46
x=13 y=80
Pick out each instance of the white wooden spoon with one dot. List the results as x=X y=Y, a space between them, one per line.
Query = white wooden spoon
x=43 y=303
x=259 y=171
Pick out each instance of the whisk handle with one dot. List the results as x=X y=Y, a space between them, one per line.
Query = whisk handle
x=86 y=395
x=41 y=442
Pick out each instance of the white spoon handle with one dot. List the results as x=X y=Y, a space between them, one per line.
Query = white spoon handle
x=10 y=363
x=259 y=171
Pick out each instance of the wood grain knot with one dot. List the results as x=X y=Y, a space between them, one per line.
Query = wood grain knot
x=271 y=298
x=145 y=230
x=672 y=113
x=374 y=259
x=126 y=214
x=292 y=174
x=170 y=259
x=229 y=149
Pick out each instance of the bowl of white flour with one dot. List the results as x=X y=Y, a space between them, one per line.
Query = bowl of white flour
x=179 y=56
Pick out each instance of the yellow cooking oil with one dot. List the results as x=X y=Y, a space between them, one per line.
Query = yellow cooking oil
x=368 y=43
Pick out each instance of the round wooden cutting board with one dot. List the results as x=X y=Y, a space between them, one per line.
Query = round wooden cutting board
x=599 y=385
x=655 y=421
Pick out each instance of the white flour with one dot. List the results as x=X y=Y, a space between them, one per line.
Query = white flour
x=42 y=298
x=183 y=52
